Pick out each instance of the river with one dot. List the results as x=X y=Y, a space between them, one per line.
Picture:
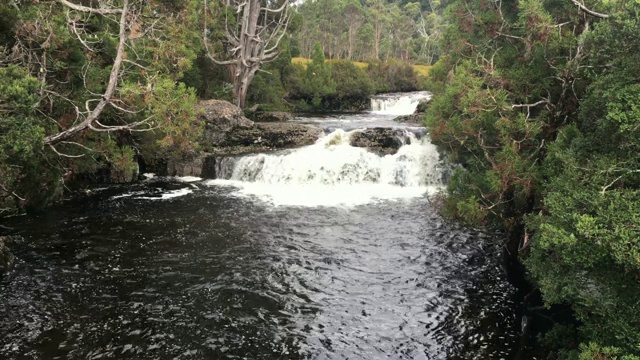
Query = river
x=323 y=252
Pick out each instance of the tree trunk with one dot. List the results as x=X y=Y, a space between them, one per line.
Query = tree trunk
x=252 y=44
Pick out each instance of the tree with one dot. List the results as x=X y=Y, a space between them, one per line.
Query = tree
x=251 y=41
x=106 y=91
x=537 y=100
x=317 y=81
x=353 y=12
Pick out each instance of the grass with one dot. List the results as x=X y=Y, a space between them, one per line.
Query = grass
x=422 y=70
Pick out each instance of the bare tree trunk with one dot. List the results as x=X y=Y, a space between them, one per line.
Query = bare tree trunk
x=254 y=40
x=377 y=40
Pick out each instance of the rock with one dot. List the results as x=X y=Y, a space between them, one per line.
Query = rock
x=423 y=106
x=379 y=140
x=271 y=116
x=268 y=136
x=228 y=132
x=418 y=115
x=220 y=118
x=410 y=119
x=6 y=257
x=186 y=168
x=123 y=176
x=223 y=115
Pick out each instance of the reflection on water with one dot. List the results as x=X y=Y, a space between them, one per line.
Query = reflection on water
x=207 y=275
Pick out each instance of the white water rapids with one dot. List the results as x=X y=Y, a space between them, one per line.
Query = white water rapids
x=398 y=104
x=331 y=172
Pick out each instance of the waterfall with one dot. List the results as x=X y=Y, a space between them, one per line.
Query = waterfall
x=333 y=172
x=398 y=104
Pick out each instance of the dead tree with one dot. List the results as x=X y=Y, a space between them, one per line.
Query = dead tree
x=252 y=41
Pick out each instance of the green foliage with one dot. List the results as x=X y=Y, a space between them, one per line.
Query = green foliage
x=318 y=81
x=21 y=140
x=392 y=76
x=593 y=351
x=548 y=141
x=373 y=29
x=44 y=97
x=353 y=87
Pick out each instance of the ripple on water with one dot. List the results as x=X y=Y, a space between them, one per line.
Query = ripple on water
x=211 y=276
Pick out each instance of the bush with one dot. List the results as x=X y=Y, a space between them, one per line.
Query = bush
x=353 y=87
x=392 y=76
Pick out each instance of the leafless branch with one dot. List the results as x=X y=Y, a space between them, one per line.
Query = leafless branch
x=590 y=12
x=91 y=10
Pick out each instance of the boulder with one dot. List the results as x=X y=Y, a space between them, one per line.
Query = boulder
x=221 y=117
x=191 y=167
x=6 y=257
x=379 y=140
x=228 y=132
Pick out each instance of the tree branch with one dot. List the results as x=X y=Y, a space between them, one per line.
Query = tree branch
x=113 y=78
x=590 y=12
x=90 y=9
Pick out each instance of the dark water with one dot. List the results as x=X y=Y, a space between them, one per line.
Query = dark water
x=213 y=276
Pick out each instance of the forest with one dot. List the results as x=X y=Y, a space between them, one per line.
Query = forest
x=538 y=101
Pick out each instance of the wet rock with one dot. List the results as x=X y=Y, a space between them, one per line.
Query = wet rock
x=123 y=176
x=423 y=105
x=379 y=140
x=268 y=136
x=410 y=119
x=6 y=257
x=271 y=116
x=418 y=114
x=191 y=167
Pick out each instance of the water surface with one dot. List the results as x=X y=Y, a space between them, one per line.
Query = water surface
x=236 y=269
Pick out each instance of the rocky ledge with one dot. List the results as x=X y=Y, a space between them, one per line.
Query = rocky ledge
x=228 y=133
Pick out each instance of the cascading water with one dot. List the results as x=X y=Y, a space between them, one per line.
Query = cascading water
x=333 y=172
x=398 y=104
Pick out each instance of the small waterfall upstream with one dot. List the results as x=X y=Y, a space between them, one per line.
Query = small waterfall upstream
x=333 y=172
x=398 y=104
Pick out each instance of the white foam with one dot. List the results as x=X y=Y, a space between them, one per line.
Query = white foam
x=188 y=179
x=314 y=195
x=168 y=195
x=331 y=173
x=163 y=196
x=398 y=104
